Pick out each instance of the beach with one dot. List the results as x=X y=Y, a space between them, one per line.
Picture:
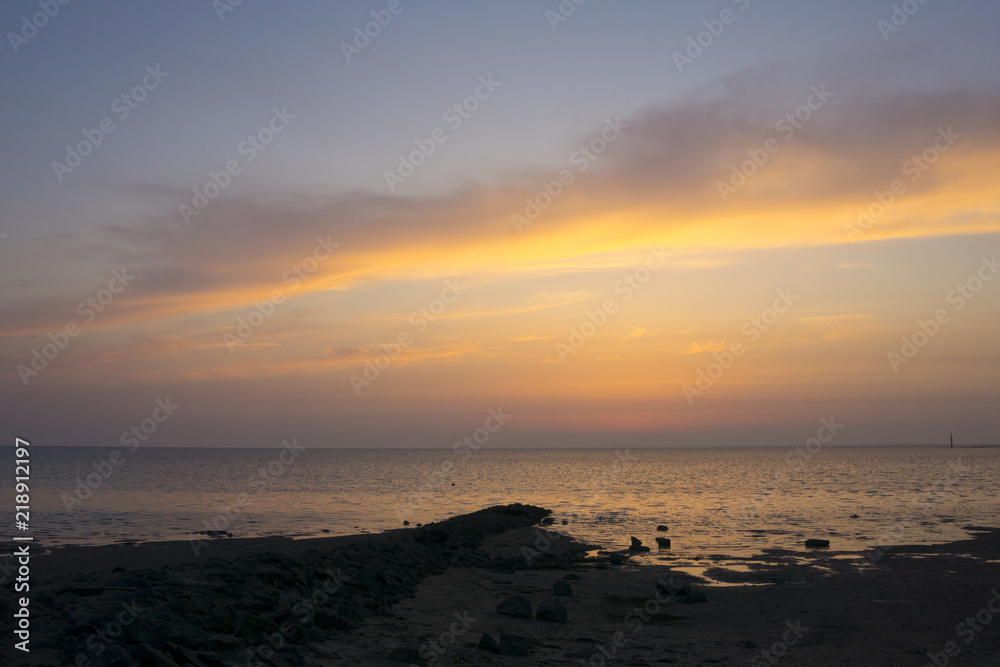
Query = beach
x=429 y=594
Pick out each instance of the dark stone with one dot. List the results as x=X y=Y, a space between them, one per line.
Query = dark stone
x=855 y=516
x=562 y=587
x=672 y=589
x=663 y=542
x=516 y=606
x=662 y=528
x=406 y=523
x=817 y=544
x=487 y=643
x=408 y=655
x=693 y=596
x=550 y=610
x=636 y=542
x=616 y=559
x=513 y=644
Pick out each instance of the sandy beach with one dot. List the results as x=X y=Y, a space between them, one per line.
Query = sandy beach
x=504 y=587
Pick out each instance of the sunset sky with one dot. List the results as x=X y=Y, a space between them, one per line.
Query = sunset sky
x=601 y=211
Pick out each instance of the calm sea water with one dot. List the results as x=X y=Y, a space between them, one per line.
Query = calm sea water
x=714 y=500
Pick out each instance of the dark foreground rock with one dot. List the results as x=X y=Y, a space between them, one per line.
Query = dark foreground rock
x=212 y=611
x=516 y=606
x=551 y=610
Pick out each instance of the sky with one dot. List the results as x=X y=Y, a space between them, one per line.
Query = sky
x=370 y=224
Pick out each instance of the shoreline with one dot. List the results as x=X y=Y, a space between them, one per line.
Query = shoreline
x=363 y=599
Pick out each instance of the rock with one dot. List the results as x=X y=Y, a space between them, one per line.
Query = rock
x=693 y=596
x=817 y=544
x=638 y=549
x=855 y=516
x=672 y=589
x=661 y=528
x=513 y=644
x=406 y=523
x=637 y=545
x=515 y=606
x=616 y=559
x=550 y=610
x=408 y=655
x=562 y=587
x=487 y=643
x=548 y=521
x=565 y=522
x=663 y=542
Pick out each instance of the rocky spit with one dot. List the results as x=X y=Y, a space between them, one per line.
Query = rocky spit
x=211 y=612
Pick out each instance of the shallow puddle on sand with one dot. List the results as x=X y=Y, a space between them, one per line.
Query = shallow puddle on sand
x=700 y=570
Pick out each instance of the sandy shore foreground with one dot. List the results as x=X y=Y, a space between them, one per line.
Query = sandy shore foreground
x=497 y=588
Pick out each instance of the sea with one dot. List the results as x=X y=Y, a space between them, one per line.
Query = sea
x=731 y=501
